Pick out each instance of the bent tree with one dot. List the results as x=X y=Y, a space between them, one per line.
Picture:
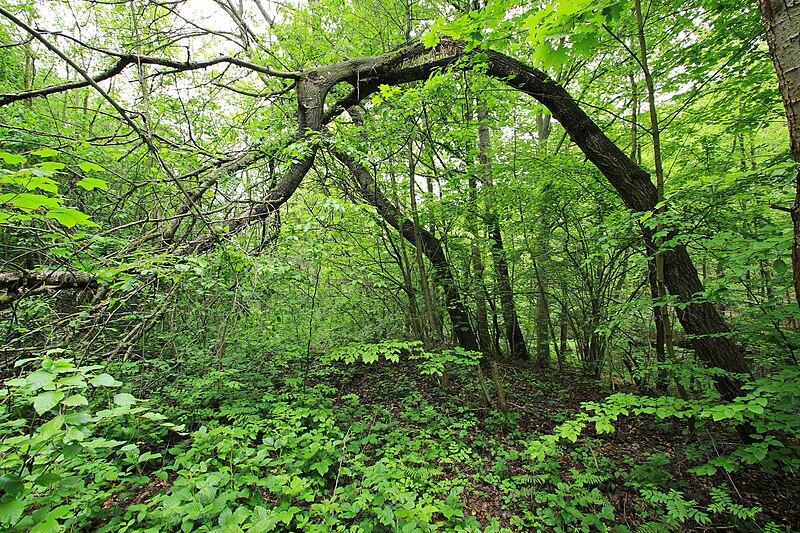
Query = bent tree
x=322 y=94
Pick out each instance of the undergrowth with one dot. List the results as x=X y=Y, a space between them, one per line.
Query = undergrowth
x=366 y=440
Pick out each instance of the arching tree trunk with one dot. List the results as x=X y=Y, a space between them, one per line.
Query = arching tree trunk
x=709 y=333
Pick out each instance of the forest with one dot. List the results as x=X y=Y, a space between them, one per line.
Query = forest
x=399 y=265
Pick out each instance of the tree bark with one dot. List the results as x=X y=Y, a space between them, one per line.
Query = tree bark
x=18 y=284
x=434 y=329
x=542 y=321
x=782 y=23
x=656 y=263
x=55 y=279
x=481 y=315
x=516 y=341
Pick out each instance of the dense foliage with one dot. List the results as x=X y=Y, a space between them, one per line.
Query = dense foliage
x=250 y=283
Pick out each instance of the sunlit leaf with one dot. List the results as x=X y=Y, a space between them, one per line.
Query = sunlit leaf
x=45 y=152
x=92 y=183
x=29 y=201
x=104 y=380
x=69 y=217
x=50 y=166
x=13 y=159
x=86 y=166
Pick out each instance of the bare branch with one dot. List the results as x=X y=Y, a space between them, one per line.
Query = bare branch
x=123 y=61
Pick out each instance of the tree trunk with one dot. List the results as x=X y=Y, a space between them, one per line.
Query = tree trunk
x=400 y=255
x=516 y=341
x=655 y=264
x=782 y=22
x=481 y=315
x=542 y=322
x=434 y=329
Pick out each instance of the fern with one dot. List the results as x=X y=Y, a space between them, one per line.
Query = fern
x=679 y=510
x=723 y=503
x=772 y=527
x=420 y=473
x=589 y=479
x=532 y=479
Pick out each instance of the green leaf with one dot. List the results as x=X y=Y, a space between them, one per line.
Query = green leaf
x=104 y=380
x=41 y=380
x=48 y=478
x=780 y=266
x=75 y=400
x=45 y=152
x=74 y=434
x=430 y=39
x=146 y=456
x=13 y=159
x=124 y=399
x=70 y=217
x=38 y=182
x=78 y=419
x=51 y=428
x=193 y=510
x=86 y=166
x=12 y=484
x=73 y=382
x=11 y=512
x=50 y=166
x=48 y=526
x=704 y=470
x=92 y=183
x=29 y=201
x=47 y=400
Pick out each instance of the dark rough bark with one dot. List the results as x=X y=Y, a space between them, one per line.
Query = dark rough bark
x=782 y=23
x=18 y=284
x=658 y=318
x=431 y=247
x=542 y=324
x=56 y=279
x=481 y=315
x=513 y=331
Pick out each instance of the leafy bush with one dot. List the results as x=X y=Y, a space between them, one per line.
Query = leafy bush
x=60 y=466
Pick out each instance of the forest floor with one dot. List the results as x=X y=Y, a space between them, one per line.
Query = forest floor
x=500 y=483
